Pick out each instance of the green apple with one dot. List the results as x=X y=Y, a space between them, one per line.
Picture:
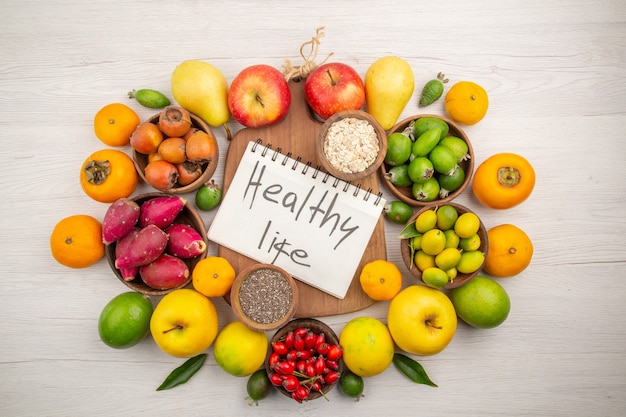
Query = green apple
x=481 y=303
x=421 y=320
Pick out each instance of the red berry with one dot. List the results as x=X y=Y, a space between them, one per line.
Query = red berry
x=316 y=386
x=292 y=355
x=323 y=348
x=321 y=338
x=276 y=379
x=302 y=393
x=334 y=353
x=301 y=366
x=320 y=365
x=304 y=354
x=298 y=342
x=290 y=383
x=295 y=397
x=310 y=370
x=309 y=340
x=331 y=377
x=280 y=348
x=285 y=367
x=274 y=359
x=301 y=331
x=289 y=340
x=330 y=364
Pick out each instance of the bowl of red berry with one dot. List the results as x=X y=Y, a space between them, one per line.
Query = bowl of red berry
x=305 y=360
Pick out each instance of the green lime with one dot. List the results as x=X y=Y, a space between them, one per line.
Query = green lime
x=416 y=242
x=423 y=260
x=426 y=142
x=351 y=384
x=426 y=191
x=443 y=159
x=470 y=243
x=452 y=239
x=420 y=169
x=435 y=277
x=433 y=242
x=448 y=258
x=482 y=302
x=398 y=211
x=470 y=261
x=467 y=225
x=398 y=149
x=451 y=182
x=399 y=175
x=423 y=124
x=258 y=386
x=459 y=148
x=425 y=221
x=452 y=273
x=446 y=217
x=208 y=196
x=125 y=320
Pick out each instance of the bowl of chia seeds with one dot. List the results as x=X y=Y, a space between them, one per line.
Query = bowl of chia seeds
x=264 y=297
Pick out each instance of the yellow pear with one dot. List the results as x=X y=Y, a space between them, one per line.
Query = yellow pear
x=201 y=88
x=389 y=85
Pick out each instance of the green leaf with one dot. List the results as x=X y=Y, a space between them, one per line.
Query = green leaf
x=183 y=373
x=412 y=369
x=409 y=231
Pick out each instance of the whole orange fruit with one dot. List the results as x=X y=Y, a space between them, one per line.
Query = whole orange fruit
x=466 y=102
x=503 y=180
x=107 y=175
x=381 y=280
x=510 y=251
x=76 y=241
x=213 y=276
x=114 y=123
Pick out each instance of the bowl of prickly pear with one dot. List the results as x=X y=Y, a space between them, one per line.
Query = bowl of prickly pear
x=429 y=159
x=153 y=241
x=174 y=151
x=305 y=359
x=444 y=245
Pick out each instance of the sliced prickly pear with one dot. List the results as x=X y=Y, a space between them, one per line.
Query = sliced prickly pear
x=119 y=219
x=184 y=241
x=161 y=211
x=142 y=247
x=165 y=272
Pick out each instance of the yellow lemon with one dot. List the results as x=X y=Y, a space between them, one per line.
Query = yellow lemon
x=239 y=350
x=367 y=346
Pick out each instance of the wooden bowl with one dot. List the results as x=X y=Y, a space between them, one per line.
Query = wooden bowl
x=189 y=216
x=255 y=295
x=460 y=278
x=316 y=326
x=353 y=133
x=404 y=193
x=208 y=169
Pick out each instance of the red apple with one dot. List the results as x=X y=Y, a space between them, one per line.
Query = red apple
x=334 y=87
x=259 y=96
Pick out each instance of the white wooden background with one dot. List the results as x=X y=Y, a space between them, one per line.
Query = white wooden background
x=554 y=70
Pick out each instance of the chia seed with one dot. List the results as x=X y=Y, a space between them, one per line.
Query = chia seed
x=265 y=296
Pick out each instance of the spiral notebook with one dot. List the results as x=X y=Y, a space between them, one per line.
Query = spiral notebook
x=283 y=211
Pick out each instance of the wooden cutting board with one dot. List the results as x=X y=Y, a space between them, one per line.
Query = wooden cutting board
x=297 y=134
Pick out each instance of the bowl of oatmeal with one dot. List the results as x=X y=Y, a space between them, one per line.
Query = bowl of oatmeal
x=351 y=145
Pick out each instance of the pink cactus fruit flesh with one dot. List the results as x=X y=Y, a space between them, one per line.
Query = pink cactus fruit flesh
x=143 y=247
x=161 y=211
x=119 y=219
x=184 y=241
x=165 y=272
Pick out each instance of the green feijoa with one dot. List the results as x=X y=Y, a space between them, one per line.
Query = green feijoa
x=398 y=149
x=443 y=159
x=420 y=169
x=208 y=196
x=433 y=90
x=399 y=175
x=423 y=124
x=459 y=148
x=398 y=211
x=446 y=217
x=426 y=191
x=426 y=142
x=435 y=277
x=152 y=99
x=450 y=183
x=258 y=386
x=351 y=384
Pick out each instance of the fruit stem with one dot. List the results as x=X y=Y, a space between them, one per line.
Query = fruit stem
x=229 y=135
x=97 y=171
x=332 y=80
x=176 y=327
x=509 y=176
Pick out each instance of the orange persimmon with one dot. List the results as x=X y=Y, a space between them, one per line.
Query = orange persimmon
x=107 y=175
x=503 y=180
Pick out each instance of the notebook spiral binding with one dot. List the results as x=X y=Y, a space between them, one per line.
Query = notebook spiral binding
x=308 y=165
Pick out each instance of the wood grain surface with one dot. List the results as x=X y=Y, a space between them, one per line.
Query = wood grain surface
x=554 y=72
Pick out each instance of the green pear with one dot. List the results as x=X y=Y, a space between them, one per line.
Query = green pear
x=389 y=85
x=201 y=89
